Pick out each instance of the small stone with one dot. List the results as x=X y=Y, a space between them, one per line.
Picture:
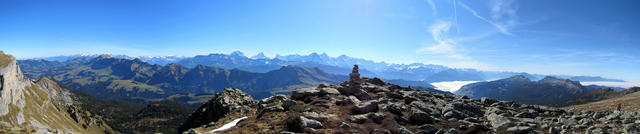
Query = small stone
x=428 y=128
x=345 y=125
x=360 y=118
x=352 y=100
x=526 y=115
x=520 y=130
x=452 y=131
x=287 y=132
x=376 y=117
x=403 y=130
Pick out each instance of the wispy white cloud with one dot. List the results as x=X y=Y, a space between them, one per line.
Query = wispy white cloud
x=443 y=44
x=498 y=11
x=433 y=6
x=502 y=9
x=447 y=47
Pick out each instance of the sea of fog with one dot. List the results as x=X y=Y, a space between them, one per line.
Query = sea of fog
x=451 y=86
x=626 y=84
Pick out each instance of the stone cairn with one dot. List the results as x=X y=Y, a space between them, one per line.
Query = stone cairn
x=354 y=80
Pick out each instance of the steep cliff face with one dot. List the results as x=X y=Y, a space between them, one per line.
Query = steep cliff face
x=41 y=106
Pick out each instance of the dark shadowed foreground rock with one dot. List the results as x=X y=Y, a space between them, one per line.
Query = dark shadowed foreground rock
x=228 y=101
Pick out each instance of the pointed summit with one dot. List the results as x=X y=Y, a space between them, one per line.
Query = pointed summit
x=237 y=54
x=104 y=56
x=259 y=56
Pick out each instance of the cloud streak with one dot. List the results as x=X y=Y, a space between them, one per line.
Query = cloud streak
x=443 y=44
x=433 y=7
x=503 y=28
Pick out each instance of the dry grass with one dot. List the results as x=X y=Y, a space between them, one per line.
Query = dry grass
x=629 y=103
x=5 y=59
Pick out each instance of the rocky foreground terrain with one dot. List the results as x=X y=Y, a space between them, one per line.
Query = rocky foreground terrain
x=364 y=105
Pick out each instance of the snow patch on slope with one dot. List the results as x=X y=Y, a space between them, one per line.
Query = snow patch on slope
x=228 y=125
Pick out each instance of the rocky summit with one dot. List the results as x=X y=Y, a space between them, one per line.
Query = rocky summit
x=374 y=106
x=222 y=104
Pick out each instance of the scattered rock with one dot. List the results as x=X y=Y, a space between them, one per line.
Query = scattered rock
x=631 y=129
x=314 y=115
x=403 y=130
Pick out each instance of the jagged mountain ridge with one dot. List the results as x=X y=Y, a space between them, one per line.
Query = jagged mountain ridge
x=341 y=65
x=41 y=106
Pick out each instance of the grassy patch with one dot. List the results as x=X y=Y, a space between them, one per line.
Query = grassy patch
x=5 y=59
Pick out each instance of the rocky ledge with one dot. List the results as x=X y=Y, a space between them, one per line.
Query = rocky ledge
x=364 y=105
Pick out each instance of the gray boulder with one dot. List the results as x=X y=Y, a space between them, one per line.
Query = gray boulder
x=230 y=100
x=376 y=117
x=498 y=121
x=309 y=123
x=420 y=117
x=360 y=118
x=428 y=129
x=366 y=107
x=304 y=93
x=352 y=100
x=329 y=91
x=403 y=130
x=487 y=101
x=631 y=129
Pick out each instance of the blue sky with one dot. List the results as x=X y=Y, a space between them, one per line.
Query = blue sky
x=585 y=37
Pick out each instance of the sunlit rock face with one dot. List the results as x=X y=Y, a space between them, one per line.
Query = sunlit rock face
x=13 y=82
x=40 y=106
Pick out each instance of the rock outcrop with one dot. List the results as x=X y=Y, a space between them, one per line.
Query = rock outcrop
x=41 y=106
x=230 y=100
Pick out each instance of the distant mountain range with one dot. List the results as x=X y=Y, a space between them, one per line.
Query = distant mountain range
x=341 y=65
x=547 y=91
x=116 y=78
